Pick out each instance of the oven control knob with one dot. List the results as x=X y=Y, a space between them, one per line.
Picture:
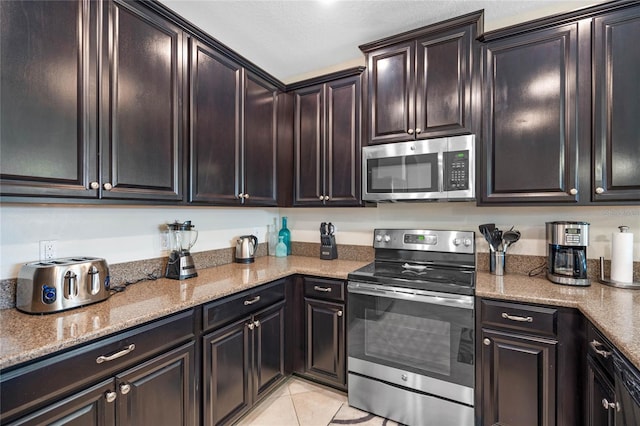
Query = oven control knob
x=404 y=377
x=378 y=238
x=467 y=242
x=456 y=242
x=387 y=238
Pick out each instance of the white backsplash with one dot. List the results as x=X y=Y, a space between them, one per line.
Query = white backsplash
x=121 y=234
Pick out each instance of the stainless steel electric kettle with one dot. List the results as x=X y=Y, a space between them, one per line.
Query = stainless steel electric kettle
x=246 y=246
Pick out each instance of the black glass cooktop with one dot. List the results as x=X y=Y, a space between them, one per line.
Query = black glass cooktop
x=417 y=276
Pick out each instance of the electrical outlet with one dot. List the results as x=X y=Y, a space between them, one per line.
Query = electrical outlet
x=48 y=249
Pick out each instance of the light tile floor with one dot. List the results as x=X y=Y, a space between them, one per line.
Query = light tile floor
x=298 y=402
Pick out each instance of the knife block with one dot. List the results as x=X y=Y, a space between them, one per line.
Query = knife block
x=328 y=248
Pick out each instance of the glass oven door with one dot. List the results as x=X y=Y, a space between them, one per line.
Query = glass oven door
x=413 y=338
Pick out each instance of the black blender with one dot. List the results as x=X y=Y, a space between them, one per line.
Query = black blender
x=181 y=238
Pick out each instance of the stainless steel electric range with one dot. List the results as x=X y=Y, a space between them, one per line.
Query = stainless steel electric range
x=411 y=328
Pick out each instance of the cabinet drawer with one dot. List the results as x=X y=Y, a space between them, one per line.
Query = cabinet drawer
x=319 y=288
x=229 y=309
x=600 y=349
x=31 y=386
x=523 y=318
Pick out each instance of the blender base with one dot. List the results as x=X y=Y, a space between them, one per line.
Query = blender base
x=180 y=266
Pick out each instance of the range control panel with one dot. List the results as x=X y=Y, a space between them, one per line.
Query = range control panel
x=425 y=240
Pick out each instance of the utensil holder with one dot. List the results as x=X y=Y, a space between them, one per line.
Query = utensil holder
x=496 y=262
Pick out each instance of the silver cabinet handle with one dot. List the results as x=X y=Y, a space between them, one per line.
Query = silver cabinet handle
x=104 y=358
x=125 y=388
x=599 y=190
x=609 y=405
x=322 y=289
x=245 y=196
x=486 y=341
x=573 y=191
x=252 y=301
x=418 y=130
x=516 y=318
x=107 y=186
x=321 y=197
x=256 y=323
x=241 y=195
x=410 y=131
x=250 y=326
x=595 y=345
x=326 y=197
x=339 y=313
x=94 y=185
x=110 y=396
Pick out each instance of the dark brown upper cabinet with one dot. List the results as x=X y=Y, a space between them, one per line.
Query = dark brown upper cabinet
x=531 y=133
x=616 y=134
x=560 y=105
x=142 y=105
x=233 y=132
x=90 y=119
x=420 y=83
x=47 y=110
x=327 y=128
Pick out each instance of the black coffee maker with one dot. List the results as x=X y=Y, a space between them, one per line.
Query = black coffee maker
x=567 y=253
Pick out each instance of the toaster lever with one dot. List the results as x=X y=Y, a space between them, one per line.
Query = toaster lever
x=94 y=280
x=70 y=285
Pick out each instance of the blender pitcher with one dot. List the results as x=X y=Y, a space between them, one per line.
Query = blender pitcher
x=182 y=237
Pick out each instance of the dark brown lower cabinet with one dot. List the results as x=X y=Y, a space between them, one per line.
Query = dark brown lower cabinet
x=519 y=379
x=531 y=364
x=325 y=341
x=600 y=394
x=242 y=361
x=160 y=392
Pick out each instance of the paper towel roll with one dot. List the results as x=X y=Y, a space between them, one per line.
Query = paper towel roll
x=622 y=257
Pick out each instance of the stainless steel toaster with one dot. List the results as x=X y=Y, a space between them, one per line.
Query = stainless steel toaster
x=58 y=284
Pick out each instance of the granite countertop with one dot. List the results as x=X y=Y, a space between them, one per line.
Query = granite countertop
x=614 y=311
x=24 y=337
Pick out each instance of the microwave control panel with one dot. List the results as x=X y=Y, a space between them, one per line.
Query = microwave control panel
x=456 y=165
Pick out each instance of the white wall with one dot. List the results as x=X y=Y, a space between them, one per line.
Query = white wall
x=121 y=234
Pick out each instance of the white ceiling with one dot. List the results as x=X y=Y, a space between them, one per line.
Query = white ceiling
x=298 y=39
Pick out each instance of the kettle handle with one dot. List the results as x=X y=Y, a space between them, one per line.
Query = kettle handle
x=255 y=240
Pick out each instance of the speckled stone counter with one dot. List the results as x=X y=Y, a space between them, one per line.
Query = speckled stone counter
x=616 y=312
x=24 y=337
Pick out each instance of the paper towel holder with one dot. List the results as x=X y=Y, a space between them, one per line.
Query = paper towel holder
x=632 y=285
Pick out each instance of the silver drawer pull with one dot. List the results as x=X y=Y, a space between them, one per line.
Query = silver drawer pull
x=595 y=344
x=516 y=318
x=322 y=289
x=110 y=396
x=252 y=301
x=105 y=358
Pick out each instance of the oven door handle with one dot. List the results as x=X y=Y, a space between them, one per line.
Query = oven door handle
x=451 y=300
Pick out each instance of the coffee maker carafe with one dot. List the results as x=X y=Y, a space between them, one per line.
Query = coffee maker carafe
x=181 y=238
x=567 y=253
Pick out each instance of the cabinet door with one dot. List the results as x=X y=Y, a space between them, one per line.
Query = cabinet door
x=268 y=342
x=47 y=107
x=391 y=93
x=443 y=84
x=325 y=341
x=260 y=142
x=225 y=377
x=530 y=122
x=600 y=394
x=518 y=380
x=86 y=408
x=342 y=139
x=616 y=175
x=308 y=146
x=216 y=105
x=161 y=391
x=142 y=90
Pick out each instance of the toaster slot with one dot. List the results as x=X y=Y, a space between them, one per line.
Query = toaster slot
x=70 y=285
x=93 y=280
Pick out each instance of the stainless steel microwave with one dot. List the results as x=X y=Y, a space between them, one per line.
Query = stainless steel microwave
x=422 y=170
